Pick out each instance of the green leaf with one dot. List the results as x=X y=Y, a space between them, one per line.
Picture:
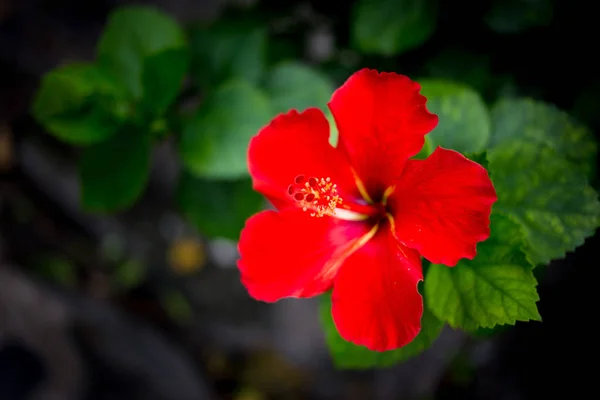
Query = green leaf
x=543 y=124
x=333 y=130
x=350 y=356
x=480 y=158
x=218 y=208
x=546 y=195
x=514 y=16
x=132 y=36
x=177 y=305
x=426 y=150
x=80 y=103
x=162 y=76
x=293 y=85
x=215 y=141
x=114 y=173
x=129 y=274
x=391 y=27
x=57 y=269
x=497 y=287
x=284 y=49
x=464 y=121
x=457 y=65
x=228 y=49
x=485 y=333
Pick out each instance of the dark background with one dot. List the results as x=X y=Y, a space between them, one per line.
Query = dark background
x=84 y=336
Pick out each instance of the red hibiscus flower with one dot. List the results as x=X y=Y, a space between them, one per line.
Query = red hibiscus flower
x=358 y=217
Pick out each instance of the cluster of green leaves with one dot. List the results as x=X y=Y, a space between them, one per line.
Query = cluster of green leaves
x=392 y=27
x=243 y=92
x=115 y=108
x=541 y=162
x=119 y=106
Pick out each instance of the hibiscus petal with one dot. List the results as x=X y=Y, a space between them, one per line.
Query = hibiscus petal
x=442 y=205
x=375 y=298
x=292 y=145
x=382 y=122
x=290 y=254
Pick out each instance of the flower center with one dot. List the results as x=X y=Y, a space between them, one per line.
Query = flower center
x=320 y=196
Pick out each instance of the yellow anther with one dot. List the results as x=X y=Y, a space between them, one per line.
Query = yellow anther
x=320 y=196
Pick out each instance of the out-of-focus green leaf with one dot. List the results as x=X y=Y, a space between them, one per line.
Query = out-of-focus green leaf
x=134 y=35
x=484 y=333
x=333 y=130
x=546 y=195
x=114 y=173
x=426 y=150
x=350 y=356
x=56 y=269
x=162 y=76
x=226 y=50
x=80 y=103
x=497 y=287
x=218 y=208
x=480 y=158
x=177 y=305
x=215 y=141
x=543 y=124
x=129 y=274
x=514 y=16
x=456 y=65
x=283 y=49
x=293 y=85
x=391 y=27
x=464 y=121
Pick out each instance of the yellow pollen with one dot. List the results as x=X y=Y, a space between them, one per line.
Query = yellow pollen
x=319 y=196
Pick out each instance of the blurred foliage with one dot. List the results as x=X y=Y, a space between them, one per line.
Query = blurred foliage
x=229 y=202
x=114 y=172
x=80 y=104
x=241 y=52
x=210 y=87
x=214 y=142
x=56 y=269
x=294 y=85
x=462 y=110
x=128 y=275
x=390 y=27
x=514 y=16
x=545 y=125
x=484 y=333
x=460 y=66
x=176 y=305
x=139 y=44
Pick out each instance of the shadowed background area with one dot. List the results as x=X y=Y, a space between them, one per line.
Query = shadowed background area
x=127 y=288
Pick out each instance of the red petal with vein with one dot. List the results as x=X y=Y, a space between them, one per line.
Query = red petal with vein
x=290 y=254
x=376 y=303
x=442 y=206
x=382 y=122
x=296 y=144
